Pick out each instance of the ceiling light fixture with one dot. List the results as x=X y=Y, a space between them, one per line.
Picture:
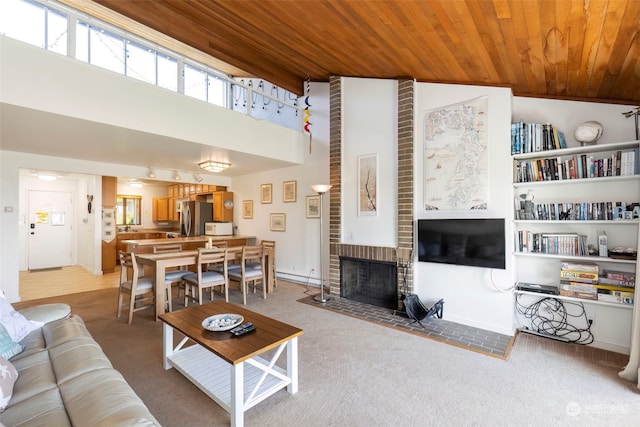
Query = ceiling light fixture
x=197 y=177
x=177 y=176
x=151 y=173
x=212 y=166
x=47 y=177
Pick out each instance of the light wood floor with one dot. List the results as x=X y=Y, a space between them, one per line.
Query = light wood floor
x=63 y=281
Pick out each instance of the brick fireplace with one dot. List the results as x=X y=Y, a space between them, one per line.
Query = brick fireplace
x=405 y=158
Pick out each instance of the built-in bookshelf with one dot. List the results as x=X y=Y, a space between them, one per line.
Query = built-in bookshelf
x=577 y=204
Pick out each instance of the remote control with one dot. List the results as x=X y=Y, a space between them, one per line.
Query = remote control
x=243 y=329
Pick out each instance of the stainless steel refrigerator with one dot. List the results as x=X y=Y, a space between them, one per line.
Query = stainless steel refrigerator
x=193 y=217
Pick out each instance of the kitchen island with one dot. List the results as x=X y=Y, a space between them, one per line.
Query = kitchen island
x=145 y=246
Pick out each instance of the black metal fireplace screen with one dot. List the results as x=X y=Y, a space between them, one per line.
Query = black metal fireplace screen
x=368 y=281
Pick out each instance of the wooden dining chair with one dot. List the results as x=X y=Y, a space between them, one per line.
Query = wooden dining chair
x=171 y=277
x=270 y=245
x=139 y=288
x=248 y=273
x=202 y=279
x=233 y=259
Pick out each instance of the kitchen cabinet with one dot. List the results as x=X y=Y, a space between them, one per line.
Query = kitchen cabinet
x=173 y=209
x=223 y=206
x=160 y=209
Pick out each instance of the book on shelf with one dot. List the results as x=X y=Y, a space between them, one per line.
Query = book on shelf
x=617 y=298
x=598 y=286
x=581 y=211
x=578 y=166
x=577 y=292
x=580 y=266
x=630 y=283
x=620 y=276
x=580 y=276
x=572 y=244
x=535 y=137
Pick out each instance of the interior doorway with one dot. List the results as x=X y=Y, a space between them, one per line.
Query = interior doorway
x=49 y=229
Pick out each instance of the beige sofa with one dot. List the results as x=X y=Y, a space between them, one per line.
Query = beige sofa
x=65 y=379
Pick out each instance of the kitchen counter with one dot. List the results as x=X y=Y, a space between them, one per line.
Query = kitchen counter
x=192 y=242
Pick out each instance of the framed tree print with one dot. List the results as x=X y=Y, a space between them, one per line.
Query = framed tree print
x=266 y=191
x=368 y=185
x=247 y=209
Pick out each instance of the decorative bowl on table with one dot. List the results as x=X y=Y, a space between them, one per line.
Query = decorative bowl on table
x=222 y=322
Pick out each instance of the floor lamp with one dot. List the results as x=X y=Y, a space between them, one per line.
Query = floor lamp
x=321 y=189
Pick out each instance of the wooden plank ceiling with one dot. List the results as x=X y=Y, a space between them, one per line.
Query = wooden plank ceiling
x=570 y=49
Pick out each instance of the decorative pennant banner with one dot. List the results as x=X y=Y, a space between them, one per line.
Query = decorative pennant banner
x=307 y=114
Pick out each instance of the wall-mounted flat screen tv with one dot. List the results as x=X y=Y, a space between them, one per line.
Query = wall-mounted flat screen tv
x=476 y=242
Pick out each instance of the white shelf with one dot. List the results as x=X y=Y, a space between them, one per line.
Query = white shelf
x=555 y=221
x=572 y=299
x=212 y=375
x=578 y=150
x=576 y=258
x=598 y=180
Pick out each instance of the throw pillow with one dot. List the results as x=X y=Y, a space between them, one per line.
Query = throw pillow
x=8 y=348
x=15 y=323
x=8 y=377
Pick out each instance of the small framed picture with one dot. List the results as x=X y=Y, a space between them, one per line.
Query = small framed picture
x=266 y=191
x=247 y=209
x=277 y=222
x=313 y=206
x=289 y=190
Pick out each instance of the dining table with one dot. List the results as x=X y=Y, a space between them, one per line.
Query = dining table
x=159 y=263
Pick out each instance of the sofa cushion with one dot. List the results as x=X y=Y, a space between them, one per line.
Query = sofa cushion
x=74 y=358
x=8 y=348
x=45 y=409
x=17 y=325
x=8 y=377
x=36 y=376
x=104 y=398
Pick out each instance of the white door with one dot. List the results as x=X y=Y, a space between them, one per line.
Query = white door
x=49 y=229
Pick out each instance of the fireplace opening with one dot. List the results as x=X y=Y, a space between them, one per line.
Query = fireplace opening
x=370 y=282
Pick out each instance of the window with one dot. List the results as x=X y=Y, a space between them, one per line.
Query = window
x=128 y=210
x=35 y=24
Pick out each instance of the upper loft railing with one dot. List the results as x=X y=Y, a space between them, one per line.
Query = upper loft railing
x=67 y=31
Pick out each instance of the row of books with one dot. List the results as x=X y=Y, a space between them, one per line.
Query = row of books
x=583 y=211
x=620 y=163
x=570 y=244
x=532 y=137
x=585 y=280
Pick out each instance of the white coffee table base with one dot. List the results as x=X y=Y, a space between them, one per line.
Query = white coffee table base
x=235 y=388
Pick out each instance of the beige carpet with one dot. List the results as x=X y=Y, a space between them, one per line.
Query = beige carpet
x=356 y=373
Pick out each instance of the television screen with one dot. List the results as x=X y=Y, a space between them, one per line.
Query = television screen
x=473 y=242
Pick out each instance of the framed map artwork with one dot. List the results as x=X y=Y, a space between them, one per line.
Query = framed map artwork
x=456 y=157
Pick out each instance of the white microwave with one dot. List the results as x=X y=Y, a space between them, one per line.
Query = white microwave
x=218 y=228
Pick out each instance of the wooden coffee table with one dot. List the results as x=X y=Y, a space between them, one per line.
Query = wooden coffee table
x=227 y=368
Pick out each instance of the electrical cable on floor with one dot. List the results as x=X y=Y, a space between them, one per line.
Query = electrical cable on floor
x=549 y=316
x=306 y=285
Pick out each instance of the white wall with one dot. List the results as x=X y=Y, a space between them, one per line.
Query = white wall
x=73 y=88
x=370 y=126
x=472 y=295
x=297 y=248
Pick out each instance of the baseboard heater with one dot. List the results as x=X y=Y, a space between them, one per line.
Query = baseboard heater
x=540 y=334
